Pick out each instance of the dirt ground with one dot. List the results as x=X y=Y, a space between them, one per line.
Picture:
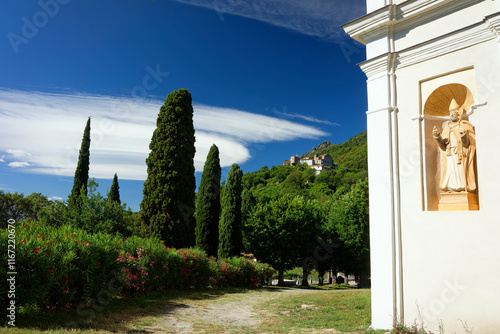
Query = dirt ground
x=230 y=313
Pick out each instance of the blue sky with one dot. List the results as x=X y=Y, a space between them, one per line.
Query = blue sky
x=269 y=79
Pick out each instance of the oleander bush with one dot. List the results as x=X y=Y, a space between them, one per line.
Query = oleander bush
x=239 y=272
x=65 y=267
x=61 y=267
x=150 y=266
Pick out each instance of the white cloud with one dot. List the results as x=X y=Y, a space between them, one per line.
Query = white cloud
x=308 y=118
x=248 y=126
x=46 y=131
x=17 y=153
x=55 y=198
x=2 y=158
x=19 y=164
x=319 y=18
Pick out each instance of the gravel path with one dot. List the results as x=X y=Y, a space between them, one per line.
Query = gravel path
x=184 y=318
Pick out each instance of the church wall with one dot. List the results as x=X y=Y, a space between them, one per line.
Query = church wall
x=373 y=5
x=450 y=259
x=381 y=232
x=429 y=265
x=440 y=22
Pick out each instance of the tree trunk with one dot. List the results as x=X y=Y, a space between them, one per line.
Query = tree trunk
x=321 y=277
x=363 y=280
x=281 y=277
x=305 y=273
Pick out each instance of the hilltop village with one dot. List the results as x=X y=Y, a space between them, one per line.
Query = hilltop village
x=317 y=162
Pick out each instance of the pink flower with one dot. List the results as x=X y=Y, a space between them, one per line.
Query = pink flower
x=22 y=240
x=39 y=236
x=36 y=250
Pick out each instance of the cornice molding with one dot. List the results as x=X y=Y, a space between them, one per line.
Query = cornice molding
x=474 y=34
x=382 y=64
x=398 y=17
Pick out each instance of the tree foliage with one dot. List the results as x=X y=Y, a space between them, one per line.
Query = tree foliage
x=208 y=204
x=82 y=169
x=349 y=220
x=97 y=213
x=16 y=206
x=282 y=232
x=168 y=204
x=114 y=191
x=230 y=235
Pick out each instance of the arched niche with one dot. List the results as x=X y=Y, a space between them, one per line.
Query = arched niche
x=438 y=103
x=436 y=108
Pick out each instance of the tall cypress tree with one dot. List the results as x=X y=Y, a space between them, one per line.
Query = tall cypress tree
x=230 y=243
x=208 y=204
x=114 y=191
x=169 y=191
x=82 y=169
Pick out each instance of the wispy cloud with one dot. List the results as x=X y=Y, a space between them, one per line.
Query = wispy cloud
x=319 y=18
x=19 y=164
x=55 y=198
x=42 y=132
x=4 y=187
x=308 y=118
x=17 y=153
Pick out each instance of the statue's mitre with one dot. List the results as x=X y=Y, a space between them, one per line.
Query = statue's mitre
x=454 y=105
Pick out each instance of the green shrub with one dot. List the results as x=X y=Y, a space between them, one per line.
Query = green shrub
x=239 y=272
x=60 y=267
x=63 y=266
x=150 y=266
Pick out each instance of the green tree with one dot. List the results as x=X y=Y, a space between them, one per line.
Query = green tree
x=97 y=214
x=15 y=206
x=114 y=191
x=282 y=232
x=349 y=220
x=82 y=169
x=168 y=204
x=230 y=235
x=208 y=204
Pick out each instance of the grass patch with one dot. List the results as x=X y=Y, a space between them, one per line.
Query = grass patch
x=342 y=310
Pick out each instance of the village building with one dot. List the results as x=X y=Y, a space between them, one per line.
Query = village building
x=317 y=162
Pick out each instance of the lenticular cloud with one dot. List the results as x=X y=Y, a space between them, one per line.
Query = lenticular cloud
x=41 y=133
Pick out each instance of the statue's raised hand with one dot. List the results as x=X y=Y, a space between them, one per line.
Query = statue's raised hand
x=435 y=132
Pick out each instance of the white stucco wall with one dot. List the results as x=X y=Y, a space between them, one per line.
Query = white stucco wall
x=450 y=258
x=431 y=266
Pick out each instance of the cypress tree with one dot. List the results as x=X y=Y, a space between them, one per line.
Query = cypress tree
x=230 y=243
x=169 y=191
x=208 y=204
x=82 y=169
x=114 y=191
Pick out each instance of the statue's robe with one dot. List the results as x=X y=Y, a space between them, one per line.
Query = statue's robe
x=457 y=158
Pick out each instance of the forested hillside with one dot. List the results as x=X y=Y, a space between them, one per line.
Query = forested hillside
x=285 y=209
x=351 y=154
x=350 y=158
